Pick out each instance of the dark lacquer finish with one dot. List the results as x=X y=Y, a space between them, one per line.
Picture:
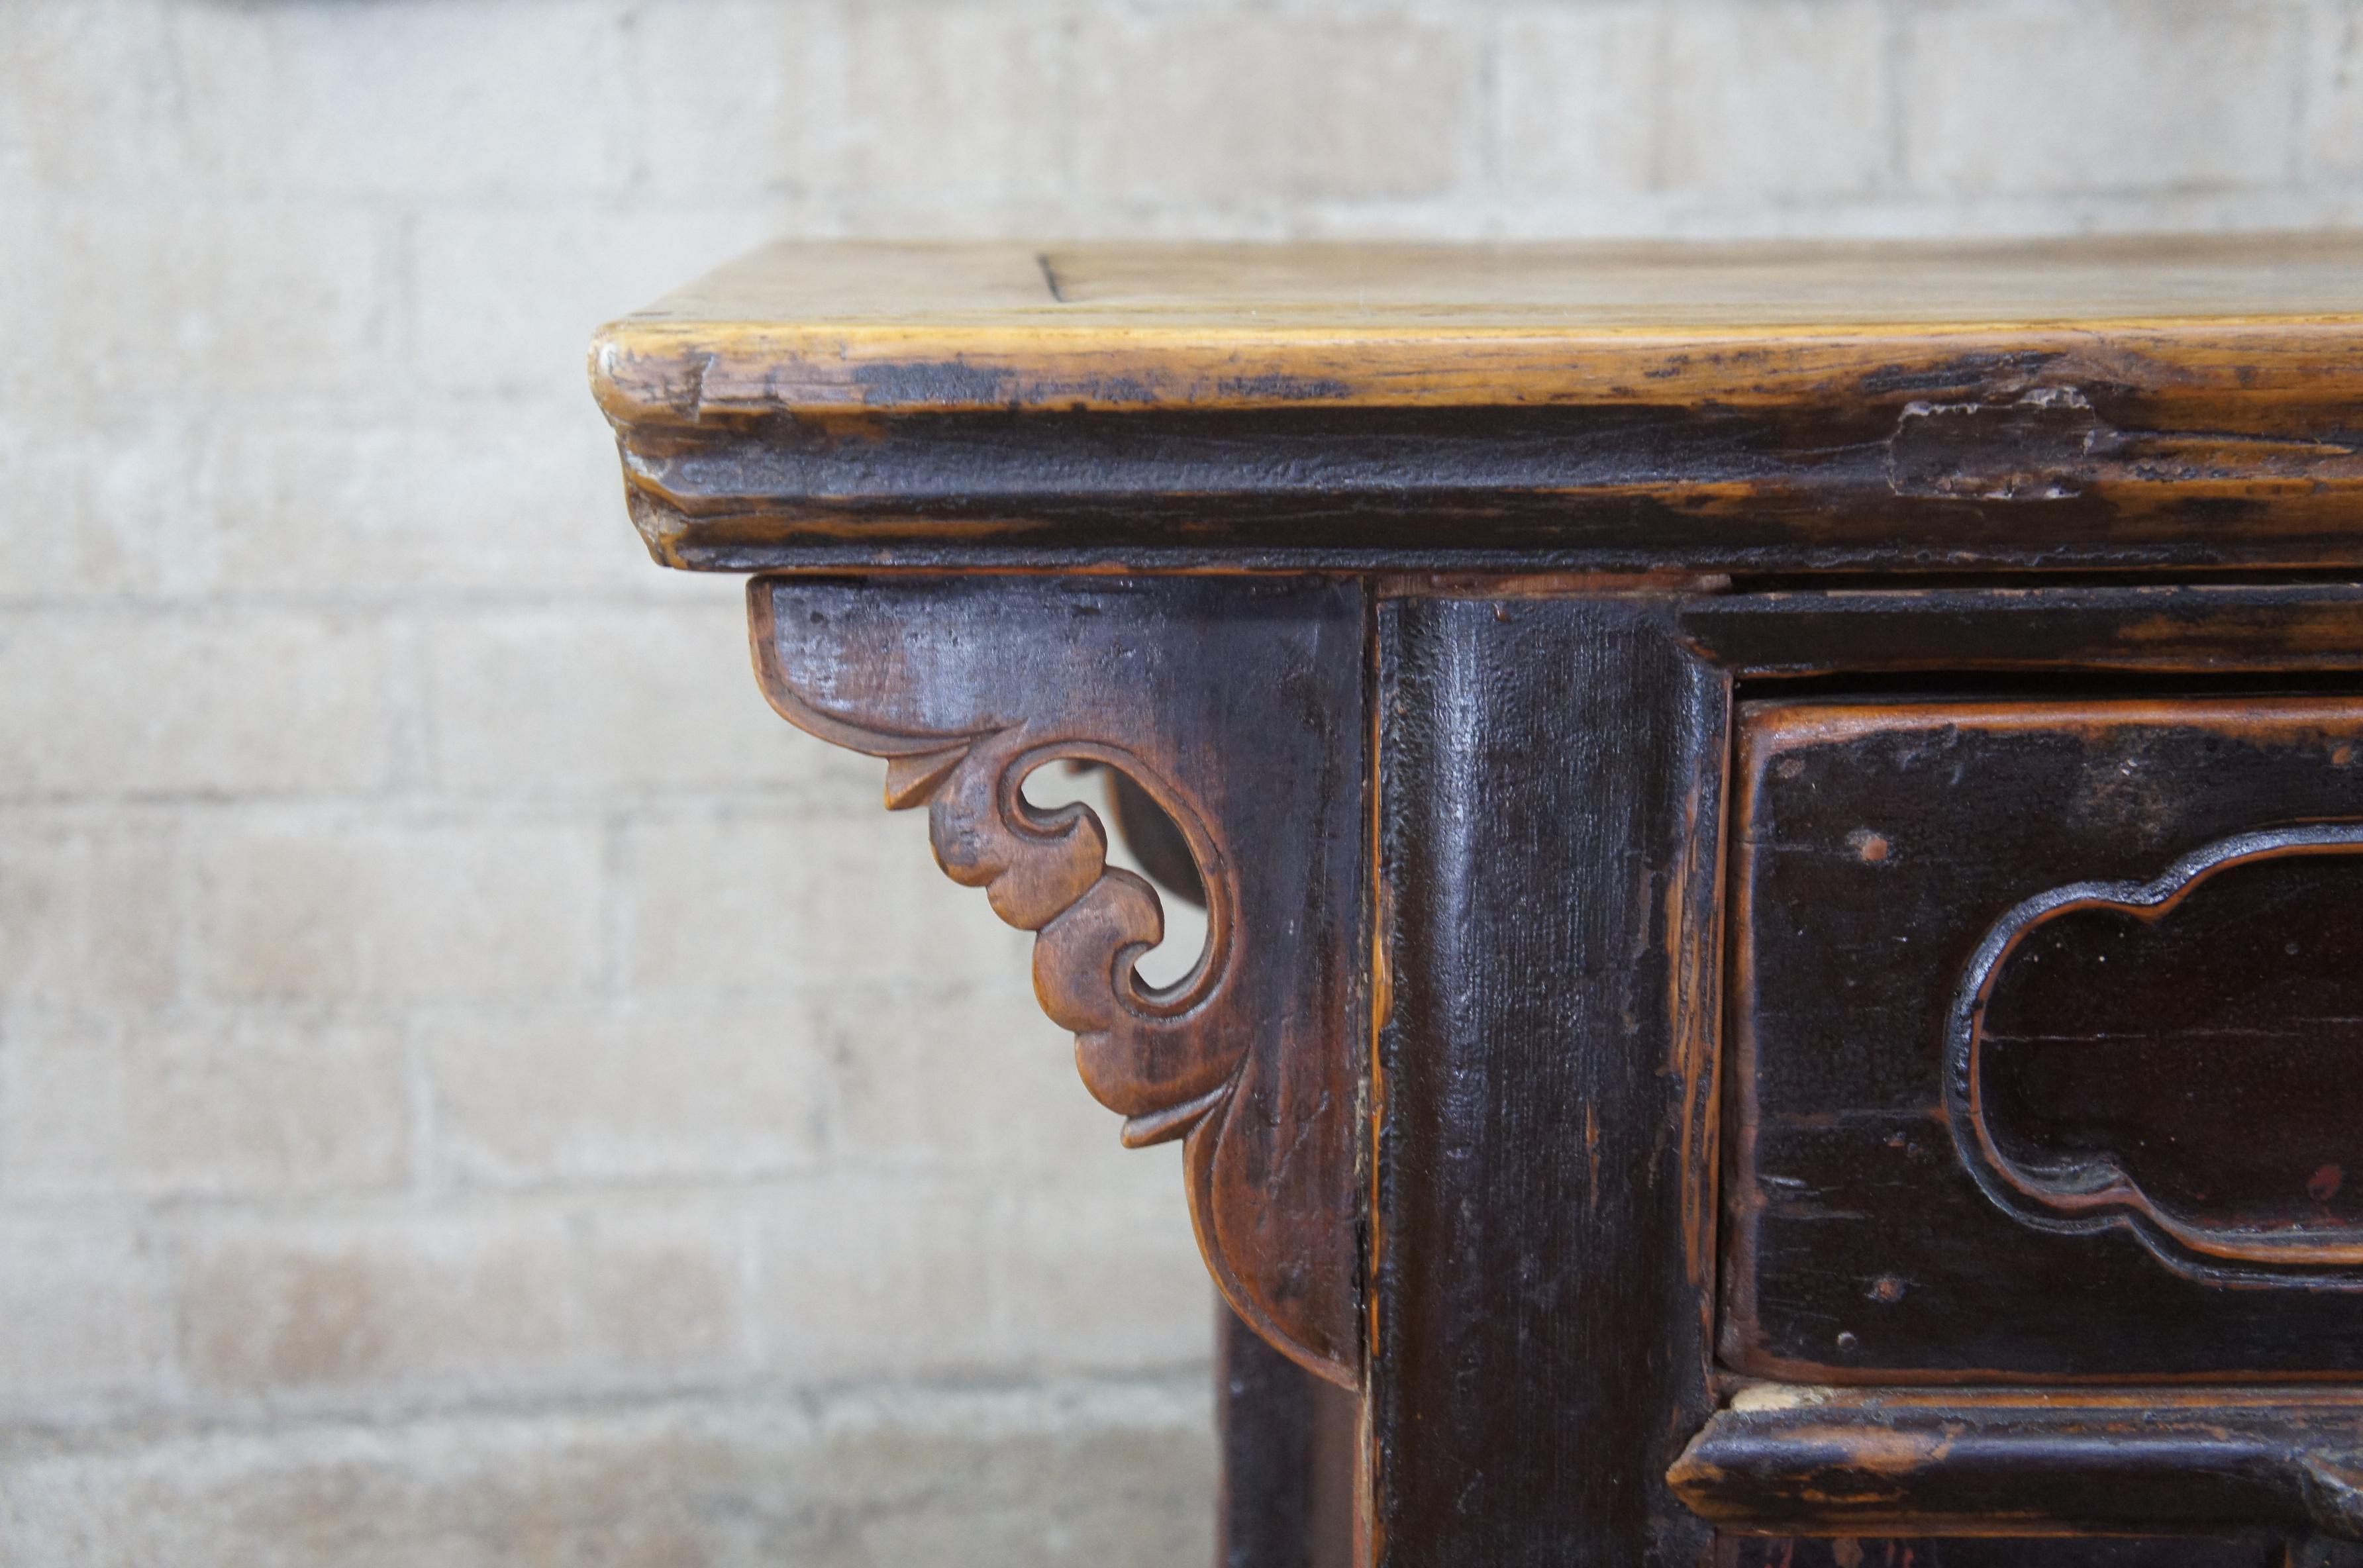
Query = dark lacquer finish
x=2028 y=861
x=1290 y=1464
x=2102 y=404
x=2043 y=1028
x=1929 y=1460
x=2060 y=632
x=1236 y=706
x=1552 y=777
x=2258 y=1550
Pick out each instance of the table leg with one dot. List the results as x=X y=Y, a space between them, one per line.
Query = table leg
x=1290 y=1442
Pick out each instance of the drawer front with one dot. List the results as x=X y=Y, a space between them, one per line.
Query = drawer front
x=2257 y=1550
x=2047 y=1023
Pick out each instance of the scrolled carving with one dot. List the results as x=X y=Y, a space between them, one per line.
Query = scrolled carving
x=1185 y=688
x=1141 y=1050
x=2196 y=1211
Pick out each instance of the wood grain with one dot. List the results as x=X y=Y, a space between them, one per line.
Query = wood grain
x=1237 y=707
x=1291 y=1472
x=1542 y=1252
x=2070 y=633
x=1878 y=847
x=2226 y=974
x=2234 y=1549
x=855 y=327
x=2018 y=559
x=2152 y=1461
x=2103 y=404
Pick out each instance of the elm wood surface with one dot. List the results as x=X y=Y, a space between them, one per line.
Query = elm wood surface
x=1530 y=1420
x=1290 y=1465
x=2112 y=404
x=1454 y=1123
x=1237 y=708
x=2060 y=634
x=2030 y=1462
x=2219 y=974
x=2150 y=1094
x=1542 y=1248
x=2258 y=1549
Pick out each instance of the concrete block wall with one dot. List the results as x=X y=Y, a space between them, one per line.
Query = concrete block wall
x=474 y=1087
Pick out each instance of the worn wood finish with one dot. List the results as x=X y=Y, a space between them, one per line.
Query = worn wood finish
x=1237 y=707
x=2066 y=634
x=1542 y=1252
x=2029 y=1157
x=2112 y=404
x=2245 y=1549
x=2041 y=1037
x=2088 y=1005
x=2150 y=1460
x=1290 y=1460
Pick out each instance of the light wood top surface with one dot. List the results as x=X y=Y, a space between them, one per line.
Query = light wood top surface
x=825 y=328
x=2098 y=405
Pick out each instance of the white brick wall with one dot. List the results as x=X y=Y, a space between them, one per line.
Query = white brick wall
x=475 y=1087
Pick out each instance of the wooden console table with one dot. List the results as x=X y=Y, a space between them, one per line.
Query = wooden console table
x=1781 y=831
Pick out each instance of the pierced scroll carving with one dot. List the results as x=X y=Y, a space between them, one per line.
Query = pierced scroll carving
x=2255 y=998
x=1047 y=872
x=1237 y=708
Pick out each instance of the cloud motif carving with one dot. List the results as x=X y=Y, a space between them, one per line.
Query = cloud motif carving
x=2268 y=1214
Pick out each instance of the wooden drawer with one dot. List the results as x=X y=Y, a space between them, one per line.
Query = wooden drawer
x=2047 y=1020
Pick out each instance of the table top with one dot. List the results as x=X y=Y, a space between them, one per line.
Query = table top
x=819 y=402
x=825 y=327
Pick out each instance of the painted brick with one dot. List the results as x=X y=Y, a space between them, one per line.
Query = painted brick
x=743 y=97
x=334 y=909
x=409 y=97
x=665 y=1291
x=1238 y=107
x=233 y=1105
x=89 y=909
x=504 y=495
x=104 y=504
x=2331 y=137
x=942 y=115
x=84 y=1317
x=615 y=702
x=956 y=112
x=2123 y=94
x=365 y=1301
x=504 y=300
x=88 y=97
x=1577 y=91
x=748 y=900
x=112 y=302
x=1130 y=1503
x=1105 y=1275
x=1070 y=1477
x=505 y=1297
x=971 y=1076
x=871 y=1276
x=1769 y=102
x=581 y=1092
x=129 y=703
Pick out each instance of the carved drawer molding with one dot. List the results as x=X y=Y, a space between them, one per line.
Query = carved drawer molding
x=2297 y=1241
x=1998 y=1121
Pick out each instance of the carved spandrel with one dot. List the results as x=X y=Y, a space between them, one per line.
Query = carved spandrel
x=2117 y=1047
x=1236 y=706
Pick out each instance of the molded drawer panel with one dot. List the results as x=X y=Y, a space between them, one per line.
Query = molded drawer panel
x=2047 y=1023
